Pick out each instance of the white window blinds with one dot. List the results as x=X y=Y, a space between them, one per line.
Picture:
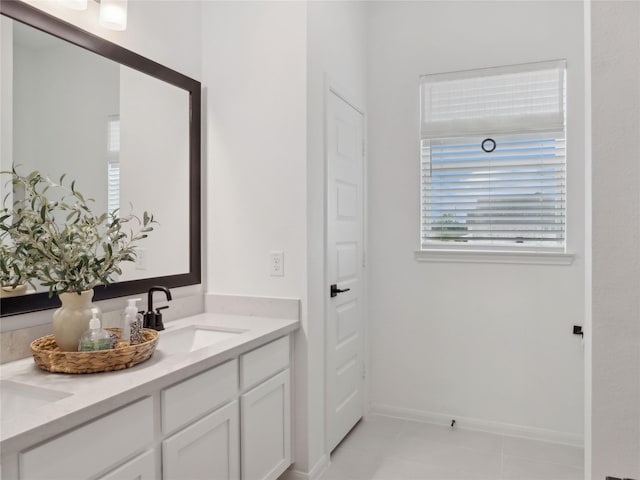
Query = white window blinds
x=113 y=186
x=113 y=134
x=113 y=163
x=488 y=182
x=513 y=99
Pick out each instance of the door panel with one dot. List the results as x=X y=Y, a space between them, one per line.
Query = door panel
x=344 y=322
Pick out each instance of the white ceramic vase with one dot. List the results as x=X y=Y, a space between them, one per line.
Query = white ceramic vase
x=71 y=320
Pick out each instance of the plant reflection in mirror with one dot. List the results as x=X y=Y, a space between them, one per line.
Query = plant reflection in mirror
x=50 y=234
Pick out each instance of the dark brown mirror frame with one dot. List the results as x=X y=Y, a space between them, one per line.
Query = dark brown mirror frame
x=29 y=15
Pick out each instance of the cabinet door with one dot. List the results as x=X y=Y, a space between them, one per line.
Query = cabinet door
x=207 y=449
x=266 y=429
x=142 y=467
x=86 y=451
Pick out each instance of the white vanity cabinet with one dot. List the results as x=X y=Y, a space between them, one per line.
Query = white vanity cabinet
x=229 y=422
x=88 y=450
x=266 y=411
x=209 y=447
x=249 y=437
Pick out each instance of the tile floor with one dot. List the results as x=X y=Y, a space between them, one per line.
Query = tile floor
x=383 y=448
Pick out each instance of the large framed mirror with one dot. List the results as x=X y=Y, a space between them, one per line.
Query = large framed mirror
x=126 y=128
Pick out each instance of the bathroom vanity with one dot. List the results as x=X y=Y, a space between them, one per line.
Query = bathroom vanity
x=213 y=402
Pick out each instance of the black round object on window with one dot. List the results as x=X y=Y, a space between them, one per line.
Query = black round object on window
x=488 y=145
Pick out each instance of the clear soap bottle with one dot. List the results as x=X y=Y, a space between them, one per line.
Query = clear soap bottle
x=95 y=338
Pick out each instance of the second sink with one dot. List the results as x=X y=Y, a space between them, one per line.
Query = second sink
x=193 y=337
x=16 y=398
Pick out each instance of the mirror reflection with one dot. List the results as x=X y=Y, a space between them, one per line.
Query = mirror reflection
x=121 y=134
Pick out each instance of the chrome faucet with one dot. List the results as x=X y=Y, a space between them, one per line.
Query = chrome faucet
x=154 y=319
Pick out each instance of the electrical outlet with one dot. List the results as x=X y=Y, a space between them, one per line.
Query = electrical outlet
x=276 y=264
x=141 y=259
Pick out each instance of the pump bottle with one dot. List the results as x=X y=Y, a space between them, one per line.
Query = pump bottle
x=95 y=338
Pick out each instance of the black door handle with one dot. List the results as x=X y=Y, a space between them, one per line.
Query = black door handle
x=335 y=290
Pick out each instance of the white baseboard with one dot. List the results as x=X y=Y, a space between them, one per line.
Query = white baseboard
x=316 y=473
x=479 y=425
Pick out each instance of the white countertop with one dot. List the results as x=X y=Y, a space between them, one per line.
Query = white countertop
x=93 y=395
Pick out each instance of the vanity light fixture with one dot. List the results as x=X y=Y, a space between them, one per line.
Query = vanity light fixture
x=113 y=13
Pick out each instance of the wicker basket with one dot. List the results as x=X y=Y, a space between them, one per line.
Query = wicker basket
x=48 y=355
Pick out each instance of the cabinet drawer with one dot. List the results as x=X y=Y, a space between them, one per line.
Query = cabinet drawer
x=92 y=448
x=198 y=395
x=143 y=467
x=263 y=362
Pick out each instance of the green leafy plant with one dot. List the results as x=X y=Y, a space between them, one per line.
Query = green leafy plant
x=15 y=267
x=450 y=228
x=51 y=235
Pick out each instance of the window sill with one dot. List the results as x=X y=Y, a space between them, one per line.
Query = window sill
x=494 y=256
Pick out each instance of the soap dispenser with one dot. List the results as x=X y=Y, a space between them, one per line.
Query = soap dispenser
x=131 y=332
x=95 y=338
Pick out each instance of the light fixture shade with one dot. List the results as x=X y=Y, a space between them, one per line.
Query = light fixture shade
x=113 y=14
x=74 y=4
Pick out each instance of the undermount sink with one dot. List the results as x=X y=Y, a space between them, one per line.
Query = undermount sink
x=17 y=398
x=189 y=339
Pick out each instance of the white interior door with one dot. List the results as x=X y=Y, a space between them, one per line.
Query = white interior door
x=345 y=234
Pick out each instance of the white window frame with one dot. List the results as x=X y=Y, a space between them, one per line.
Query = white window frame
x=496 y=116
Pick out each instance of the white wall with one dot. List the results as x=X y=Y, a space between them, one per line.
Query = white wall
x=487 y=342
x=6 y=99
x=253 y=66
x=336 y=37
x=615 y=67
x=154 y=125
x=264 y=65
x=54 y=81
